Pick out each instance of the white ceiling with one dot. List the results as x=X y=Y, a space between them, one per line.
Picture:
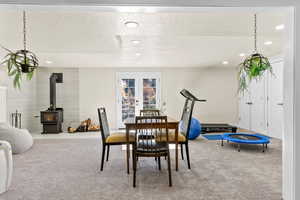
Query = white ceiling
x=168 y=39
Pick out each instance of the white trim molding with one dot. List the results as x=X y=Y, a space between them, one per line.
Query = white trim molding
x=290 y=99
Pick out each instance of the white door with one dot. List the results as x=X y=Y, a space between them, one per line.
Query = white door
x=275 y=101
x=136 y=91
x=258 y=105
x=245 y=111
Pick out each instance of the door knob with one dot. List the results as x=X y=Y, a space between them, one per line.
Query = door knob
x=280 y=104
x=249 y=103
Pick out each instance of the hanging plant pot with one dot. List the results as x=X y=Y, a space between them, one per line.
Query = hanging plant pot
x=253 y=67
x=20 y=62
x=26 y=60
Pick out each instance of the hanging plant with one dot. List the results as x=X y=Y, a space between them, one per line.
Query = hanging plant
x=20 y=62
x=254 y=66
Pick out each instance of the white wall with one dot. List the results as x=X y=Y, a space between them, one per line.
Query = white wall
x=97 y=88
x=218 y=86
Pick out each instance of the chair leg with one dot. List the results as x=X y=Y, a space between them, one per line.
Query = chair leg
x=181 y=149
x=133 y=157
x=134 y=169
x=108 y=147
x=169 y=169
x=188 y=155
x=159 y=165
x=102 y=159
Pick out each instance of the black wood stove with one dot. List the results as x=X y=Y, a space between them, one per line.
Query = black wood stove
x=52 y=118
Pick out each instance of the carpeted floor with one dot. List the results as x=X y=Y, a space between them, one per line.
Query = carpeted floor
x=67 y=169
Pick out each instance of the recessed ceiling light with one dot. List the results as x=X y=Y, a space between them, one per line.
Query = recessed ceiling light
x=135 y=41
x=268 y=42
x=48 y=61
x=242 y=54
x=138 y=54
x=279 y=27
x=131 y=24
x=225 y=62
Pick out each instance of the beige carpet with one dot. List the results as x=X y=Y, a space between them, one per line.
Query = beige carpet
x=66 y=169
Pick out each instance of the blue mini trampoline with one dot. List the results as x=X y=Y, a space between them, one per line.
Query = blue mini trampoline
x=246 y=138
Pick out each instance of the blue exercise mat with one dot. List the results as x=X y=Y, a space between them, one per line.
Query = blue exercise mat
x=212 y=137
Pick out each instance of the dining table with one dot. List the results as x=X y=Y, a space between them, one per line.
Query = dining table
x=130 y=125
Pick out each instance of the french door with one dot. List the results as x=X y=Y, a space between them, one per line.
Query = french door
x=136 y=91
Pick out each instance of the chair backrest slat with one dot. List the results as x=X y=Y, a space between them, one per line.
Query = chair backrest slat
x=150 y=112
x=104 y=127
x=156 y=128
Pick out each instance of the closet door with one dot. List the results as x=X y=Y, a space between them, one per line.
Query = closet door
x=258 y=105
x=245 y=111
x=275 y=101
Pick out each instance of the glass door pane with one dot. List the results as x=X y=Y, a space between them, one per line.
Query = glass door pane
x=128 y=96
x=149 y=93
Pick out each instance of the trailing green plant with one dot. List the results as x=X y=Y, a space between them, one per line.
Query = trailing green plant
x=252 y=68
x=20 y=63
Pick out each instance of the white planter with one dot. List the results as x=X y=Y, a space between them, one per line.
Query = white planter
x=6 y=166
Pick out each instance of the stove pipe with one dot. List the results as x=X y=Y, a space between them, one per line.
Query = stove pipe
x=54 y=78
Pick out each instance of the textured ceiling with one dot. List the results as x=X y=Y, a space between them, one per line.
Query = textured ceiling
x=167 y=39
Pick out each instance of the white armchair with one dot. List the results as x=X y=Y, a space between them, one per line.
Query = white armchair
x=6 y=166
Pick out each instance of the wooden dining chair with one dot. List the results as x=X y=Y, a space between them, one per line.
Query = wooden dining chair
x=155 y=127
x=109 y=139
